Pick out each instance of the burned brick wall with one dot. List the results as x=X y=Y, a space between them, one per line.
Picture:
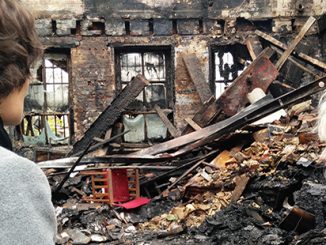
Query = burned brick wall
x=92 y=81
x=93 y=30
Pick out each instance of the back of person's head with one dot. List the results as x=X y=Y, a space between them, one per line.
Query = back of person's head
x=20 y=46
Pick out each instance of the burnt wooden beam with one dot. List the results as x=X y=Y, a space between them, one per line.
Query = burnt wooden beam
x=259 y=74
x=295 y=62
x=204 y=116
x=250 y=114
x=192 y=124
x=173 y=131
x=197 y=76
x=107 y=118
x=311 y=20
x=254 y=46
x=281 y=45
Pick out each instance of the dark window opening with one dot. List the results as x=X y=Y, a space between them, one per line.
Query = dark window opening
x=141 y=119
x=228 y=62
x=47 y=110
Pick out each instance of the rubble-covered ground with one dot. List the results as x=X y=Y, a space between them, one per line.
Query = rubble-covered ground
x=267 y=188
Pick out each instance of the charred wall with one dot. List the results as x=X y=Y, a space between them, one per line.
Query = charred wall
x=92 y=30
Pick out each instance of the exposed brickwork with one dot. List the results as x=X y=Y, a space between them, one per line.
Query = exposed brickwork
x=92 y=83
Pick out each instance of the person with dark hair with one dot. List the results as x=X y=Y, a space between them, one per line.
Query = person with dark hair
x=26 y=213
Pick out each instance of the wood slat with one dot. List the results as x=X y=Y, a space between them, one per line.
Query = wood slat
x=197 y=76
x=295 y=42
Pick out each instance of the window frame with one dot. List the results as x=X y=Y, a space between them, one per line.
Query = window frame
x=169 y=75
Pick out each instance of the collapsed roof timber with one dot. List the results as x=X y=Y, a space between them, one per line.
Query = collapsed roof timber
x=163 y=98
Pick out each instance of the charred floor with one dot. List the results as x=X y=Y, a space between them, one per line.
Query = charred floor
x=170 y=122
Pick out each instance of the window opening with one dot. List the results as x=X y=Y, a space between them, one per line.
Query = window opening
x=229 y=61
x=47 y=116
x=142 y=121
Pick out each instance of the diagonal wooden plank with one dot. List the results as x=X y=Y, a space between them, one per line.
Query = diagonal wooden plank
x=192 y=124
x=197 y=76
x=295 y=42
x=283 y=46
x=173 y=131
x=254 y=46
x=252 y=113
x=107 y=118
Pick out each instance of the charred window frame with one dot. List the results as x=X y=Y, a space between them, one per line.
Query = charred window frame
x=227 y=62
x=47 y=112
x=155 y=63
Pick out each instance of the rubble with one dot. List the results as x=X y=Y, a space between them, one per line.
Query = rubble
x=224 y=180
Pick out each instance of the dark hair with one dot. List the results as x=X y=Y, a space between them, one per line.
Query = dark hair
x=20 y=46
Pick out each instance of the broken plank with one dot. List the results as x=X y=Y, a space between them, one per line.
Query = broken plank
x=204 y=116
x=107 y=118
x=185 y=174
x=192 y=124
x=295 y=42
x=250 y=114
x=295 y=62
x=197 y=76
x=254 y=46
x=279 y=44
x=241 y=183
x=173 y=131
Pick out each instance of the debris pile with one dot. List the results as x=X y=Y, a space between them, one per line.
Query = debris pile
x=226 y=179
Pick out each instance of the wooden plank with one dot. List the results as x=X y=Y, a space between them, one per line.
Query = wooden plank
x=204 y=116
x=197 y=76
x=295 y=42
x=173 y=131
x=259 y=74
x=252 y=113
x=241 y=183
x=281 y=45
x=263 y=74
x=192 y=124
x=295 y=62
x=254 y=46
x=107 y=118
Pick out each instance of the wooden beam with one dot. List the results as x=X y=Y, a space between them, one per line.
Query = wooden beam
x=197 y=76
x=204 y=115
x=259 y=74
x=295 y=42
x=252 y=113
x=295 y=62
x=254 y=46
x=107 y=118
x=192 y=124
x=173 y=131
x=281 y=45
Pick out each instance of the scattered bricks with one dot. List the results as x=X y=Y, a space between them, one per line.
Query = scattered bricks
x=213 y=27
x=64 y=27
x=188 y=27
x=162 y=27
x=115 y=27
x=139 y=27
x=44 y=27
